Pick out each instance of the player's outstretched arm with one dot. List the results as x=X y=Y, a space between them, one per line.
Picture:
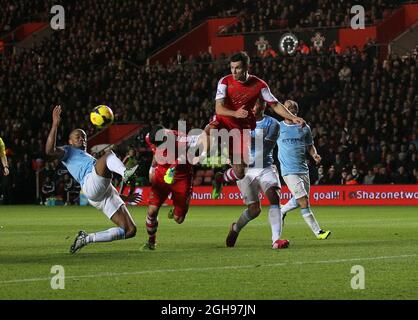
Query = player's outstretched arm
x=201 y=142
x=282 y=111
x=50 y=149
x=223 y=111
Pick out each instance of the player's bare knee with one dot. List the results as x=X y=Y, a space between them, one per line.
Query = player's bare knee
x=303 y=202
x=179 y=219
x=179 y=215
x=152 y=212
x=239 y=172
x=130 y=232
x=240 y=175
x=273 y=195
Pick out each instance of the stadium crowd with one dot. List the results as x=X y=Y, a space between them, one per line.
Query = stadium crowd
x=362 y=112
x=256 y=16
x=14 y=13
x=112 y=23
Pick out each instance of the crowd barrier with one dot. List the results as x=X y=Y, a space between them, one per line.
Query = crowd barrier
x=352 y=195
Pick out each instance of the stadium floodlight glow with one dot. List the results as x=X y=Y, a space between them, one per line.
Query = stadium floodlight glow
x=288 y=43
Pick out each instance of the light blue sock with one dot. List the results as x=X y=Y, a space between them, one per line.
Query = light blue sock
x=107 y=235
x=305 y=211
x=242 y=221
x=310 y=220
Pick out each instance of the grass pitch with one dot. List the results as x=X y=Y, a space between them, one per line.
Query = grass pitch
x=192 y=262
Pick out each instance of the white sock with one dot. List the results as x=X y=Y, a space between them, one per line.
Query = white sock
x=114 y=164
x=107 y=235
x=310 y=220
x=290 y=205
x=275 y=218
x=242 y=221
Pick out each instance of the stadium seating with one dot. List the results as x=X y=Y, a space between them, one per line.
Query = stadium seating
x=279 y=14
x=362 y=112
x=14 y=13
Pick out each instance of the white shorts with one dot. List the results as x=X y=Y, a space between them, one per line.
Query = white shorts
x=102 y=194
x=298 y=184
x=257 y=179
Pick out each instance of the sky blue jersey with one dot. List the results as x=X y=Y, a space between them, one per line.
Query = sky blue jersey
x=293 y=142
x=78 y=162
x=263 y=140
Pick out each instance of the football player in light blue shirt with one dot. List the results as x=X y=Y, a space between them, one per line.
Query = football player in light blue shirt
x=294 y=141
x=261 y=176
x=94 y=176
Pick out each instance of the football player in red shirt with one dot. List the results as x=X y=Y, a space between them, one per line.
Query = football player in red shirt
x=236 y=96
x=170 y=176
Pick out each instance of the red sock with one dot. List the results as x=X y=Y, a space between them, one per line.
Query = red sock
x=229 y=176
x=152 y=238
x=152 y=225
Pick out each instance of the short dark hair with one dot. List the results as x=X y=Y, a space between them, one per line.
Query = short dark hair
x=241 y=56
x=153 y=133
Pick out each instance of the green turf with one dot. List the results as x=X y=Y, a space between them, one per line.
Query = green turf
x=192 y=262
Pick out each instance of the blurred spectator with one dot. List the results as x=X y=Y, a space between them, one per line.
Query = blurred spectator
x=303 y=48
x=382 y=177
x=350 y=180
x=352 y=102
x=15 y=13
x=345 y=74
x=332 y=176
x=268 y=53
x=343 y=177
x=321 y=179
x=72 y=189
x=369 y=178
x=297 y=14
x=401 y=176
x=48 y=189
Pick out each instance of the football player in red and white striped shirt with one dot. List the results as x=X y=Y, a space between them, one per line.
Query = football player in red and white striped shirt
x=236 y=96
x=170 y=176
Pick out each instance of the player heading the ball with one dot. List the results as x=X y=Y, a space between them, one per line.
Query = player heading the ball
x=235 y=98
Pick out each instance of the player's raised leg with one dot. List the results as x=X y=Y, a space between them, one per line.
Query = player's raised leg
x=233 y=174
x=181 y=193
x=109 y=163
x=239 y=154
